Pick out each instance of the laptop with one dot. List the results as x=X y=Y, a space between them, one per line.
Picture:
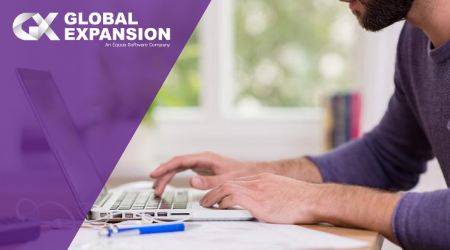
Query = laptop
x=73 y=158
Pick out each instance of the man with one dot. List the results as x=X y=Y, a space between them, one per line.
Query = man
x=390 y=158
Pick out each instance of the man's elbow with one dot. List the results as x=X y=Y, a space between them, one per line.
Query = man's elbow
x=405 y=179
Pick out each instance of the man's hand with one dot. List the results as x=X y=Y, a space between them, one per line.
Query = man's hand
x=212 y=168
x=270 y=198
x=278 y=199
x=216 y=169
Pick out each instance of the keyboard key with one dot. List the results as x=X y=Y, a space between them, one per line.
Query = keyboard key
x=180 y=201
x=166 y=206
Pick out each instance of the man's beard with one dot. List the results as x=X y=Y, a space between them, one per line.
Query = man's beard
x=383 y=13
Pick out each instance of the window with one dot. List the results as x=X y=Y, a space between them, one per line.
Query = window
x=286 y=54
x=250 y=81
x=182 y=86
x=290 y=53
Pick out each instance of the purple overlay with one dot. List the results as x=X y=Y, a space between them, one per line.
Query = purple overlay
x=83 y=96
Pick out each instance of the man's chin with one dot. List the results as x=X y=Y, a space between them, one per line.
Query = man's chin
x=376 y=15
x=374 y=27
x=367 y=24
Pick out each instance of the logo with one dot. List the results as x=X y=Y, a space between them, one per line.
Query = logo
x=35 y=32
x=121 y=33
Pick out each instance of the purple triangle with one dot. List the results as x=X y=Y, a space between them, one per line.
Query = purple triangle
x=105 y=90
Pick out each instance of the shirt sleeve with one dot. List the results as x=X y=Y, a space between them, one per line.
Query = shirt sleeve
x=422 y=221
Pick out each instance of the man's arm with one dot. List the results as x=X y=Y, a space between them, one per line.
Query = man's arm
x=278 y=199
x=360 y=207
x=415 y=221
x=391 y=157
x=302 y=169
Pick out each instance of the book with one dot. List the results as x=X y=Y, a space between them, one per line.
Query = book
x=343 y=115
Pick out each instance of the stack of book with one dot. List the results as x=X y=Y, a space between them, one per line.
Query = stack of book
x=343 y=119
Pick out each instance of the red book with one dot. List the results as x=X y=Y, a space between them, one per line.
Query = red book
x=355 y=129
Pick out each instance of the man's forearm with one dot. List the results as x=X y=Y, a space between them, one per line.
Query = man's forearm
x=357 y=207
x=300 y=169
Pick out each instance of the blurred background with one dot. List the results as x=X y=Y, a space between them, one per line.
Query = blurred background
x=253 y=83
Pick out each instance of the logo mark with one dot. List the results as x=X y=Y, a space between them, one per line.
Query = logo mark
x=35 y=32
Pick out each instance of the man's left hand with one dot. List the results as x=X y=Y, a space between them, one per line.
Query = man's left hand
x=270 y=198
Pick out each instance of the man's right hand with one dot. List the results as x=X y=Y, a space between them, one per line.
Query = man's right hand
x=214 y=169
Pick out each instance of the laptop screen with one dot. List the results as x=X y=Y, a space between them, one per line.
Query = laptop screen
x=62 y=135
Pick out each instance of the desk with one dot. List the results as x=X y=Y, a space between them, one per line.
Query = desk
x=375 y=239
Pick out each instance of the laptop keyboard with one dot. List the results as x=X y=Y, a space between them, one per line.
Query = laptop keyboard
x=146 y=200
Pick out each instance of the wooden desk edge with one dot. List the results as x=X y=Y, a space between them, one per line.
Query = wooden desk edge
x=374 y=239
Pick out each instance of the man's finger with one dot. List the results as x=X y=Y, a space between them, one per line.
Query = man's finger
x=243 y=200
x=182 y=163
x=226 y=185
x=216 y=195
x=162 y=182
x=209 y=182
x=234 y=200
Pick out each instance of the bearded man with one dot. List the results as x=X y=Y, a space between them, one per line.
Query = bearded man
x=356 y=184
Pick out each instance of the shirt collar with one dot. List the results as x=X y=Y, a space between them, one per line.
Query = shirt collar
x=440 y=54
